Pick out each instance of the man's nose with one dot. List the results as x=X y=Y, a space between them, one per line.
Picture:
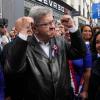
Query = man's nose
x=52 y=25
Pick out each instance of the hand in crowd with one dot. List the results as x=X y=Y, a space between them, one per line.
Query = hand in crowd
x=68 y=21
x=83 y=95
x=24 y=25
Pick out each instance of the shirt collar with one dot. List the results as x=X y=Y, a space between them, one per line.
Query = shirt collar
x=98 y=55
x=40 y=42
x=87 y=42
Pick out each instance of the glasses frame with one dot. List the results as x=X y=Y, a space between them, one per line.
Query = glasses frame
x=46 y=24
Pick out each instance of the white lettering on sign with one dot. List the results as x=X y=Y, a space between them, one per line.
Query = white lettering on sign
x=45 y=2
x=98 y=12
x=52 y=4
x=62 y=8
x=55 y=5
x=40 y=0
x=98 y=9
x=59 y=7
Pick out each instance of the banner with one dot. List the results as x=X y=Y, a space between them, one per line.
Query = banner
x=96 y=10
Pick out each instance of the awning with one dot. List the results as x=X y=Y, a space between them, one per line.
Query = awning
x=65 y=5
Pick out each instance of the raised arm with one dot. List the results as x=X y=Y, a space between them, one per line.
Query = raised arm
x=16 y=50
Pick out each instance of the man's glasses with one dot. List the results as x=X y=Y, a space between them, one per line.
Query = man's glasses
x=46 y=24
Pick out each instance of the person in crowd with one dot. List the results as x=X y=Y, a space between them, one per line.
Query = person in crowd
x=96 y=29
x=80 y=68
x=13 y=33
x=94 y=83
x=10 y=80
x=3 y=32
x=61 y=27
x=6 y=38
x=39 y=62
x=3 y=26
x=2 y=84
x=64 y=22
x=59 y=30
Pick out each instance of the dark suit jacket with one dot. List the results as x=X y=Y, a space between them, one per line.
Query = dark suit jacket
x=35 y=76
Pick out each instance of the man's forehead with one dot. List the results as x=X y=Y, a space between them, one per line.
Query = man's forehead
x=65 y=16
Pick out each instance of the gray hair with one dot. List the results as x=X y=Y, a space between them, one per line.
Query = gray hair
x=37 y=12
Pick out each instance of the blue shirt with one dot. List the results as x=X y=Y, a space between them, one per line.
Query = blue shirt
x=2 y=85
x=80 y=64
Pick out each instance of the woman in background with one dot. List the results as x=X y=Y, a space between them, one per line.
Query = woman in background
x=82 y=67
x=94 y=84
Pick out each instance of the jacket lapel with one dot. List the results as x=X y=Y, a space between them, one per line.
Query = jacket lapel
x=36 y=46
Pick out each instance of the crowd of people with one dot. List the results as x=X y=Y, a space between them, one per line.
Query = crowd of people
x=44 y=60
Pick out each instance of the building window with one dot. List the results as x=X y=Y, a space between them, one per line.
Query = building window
x=88 y=14
x=79 y=8
x=81 y=22
x=83 y=12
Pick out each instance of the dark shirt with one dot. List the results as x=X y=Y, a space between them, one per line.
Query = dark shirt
x=2 y=85
x=96 y=67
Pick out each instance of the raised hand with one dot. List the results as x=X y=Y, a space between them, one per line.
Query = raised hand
x=24 y=25
x=67 y=21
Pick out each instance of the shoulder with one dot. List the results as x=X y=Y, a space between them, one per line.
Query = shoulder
x=60 y=41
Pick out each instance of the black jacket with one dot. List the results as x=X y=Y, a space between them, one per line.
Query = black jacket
x=31 y=75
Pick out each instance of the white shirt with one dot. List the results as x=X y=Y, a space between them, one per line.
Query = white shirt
x=87 y=42
x=44 y=46
x=98 y=55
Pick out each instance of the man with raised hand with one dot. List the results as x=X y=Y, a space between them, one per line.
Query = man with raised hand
x=39 y=61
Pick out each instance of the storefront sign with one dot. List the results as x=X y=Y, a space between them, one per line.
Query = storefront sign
x=96 y=10
x=52 y=4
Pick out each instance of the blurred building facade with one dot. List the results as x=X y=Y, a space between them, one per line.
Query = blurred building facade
x=79 y=9
x=11 y=9
x=84 y=7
